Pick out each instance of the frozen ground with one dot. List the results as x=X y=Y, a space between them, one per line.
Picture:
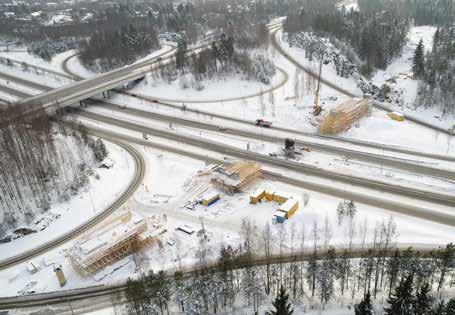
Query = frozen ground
x=65 y=216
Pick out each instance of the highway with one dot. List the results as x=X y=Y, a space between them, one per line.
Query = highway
x=286 y=164
x=74 y=92
x=372 y=199
x=344 y=152
x=404 y=164
x=397 y=207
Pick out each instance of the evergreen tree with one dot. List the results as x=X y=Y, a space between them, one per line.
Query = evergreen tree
x=423 y=301
x=99 y=150
x=401 y=301
x=450 y=307
x=364 y=307
x=439 y=309
x=282 y=307
x=180 y=57
x=418 y=66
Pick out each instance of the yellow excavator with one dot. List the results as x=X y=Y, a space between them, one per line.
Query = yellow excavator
x=317 y=109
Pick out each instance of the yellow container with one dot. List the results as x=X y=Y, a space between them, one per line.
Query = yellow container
x=396 y=116
x=257 y=196
x=60 y=276
x=289 y=207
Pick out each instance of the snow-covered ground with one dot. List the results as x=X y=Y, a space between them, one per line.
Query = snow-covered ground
x=65 y=216
x=170 y=181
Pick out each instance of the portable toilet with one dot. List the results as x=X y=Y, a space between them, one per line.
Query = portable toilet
x=210 y=198
x=60 y=276
x=280 y=216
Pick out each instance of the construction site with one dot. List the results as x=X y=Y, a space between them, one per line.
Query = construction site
x=116 y=238
x=344 y=115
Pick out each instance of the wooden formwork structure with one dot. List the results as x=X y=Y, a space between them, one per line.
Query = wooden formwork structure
x=344 y=115
x=237 y=176
x=119 y=247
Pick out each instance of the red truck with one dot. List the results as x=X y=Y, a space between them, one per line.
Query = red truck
x=263 y=123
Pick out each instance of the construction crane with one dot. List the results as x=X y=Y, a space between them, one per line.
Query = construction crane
x=316 y=107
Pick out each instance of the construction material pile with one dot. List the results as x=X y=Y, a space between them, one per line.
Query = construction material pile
x=344 y=115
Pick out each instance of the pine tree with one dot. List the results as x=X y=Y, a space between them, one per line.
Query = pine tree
x=423 y=300
x=450 y=307
x=401 y=301
x=282 y=307
x=418 y=66
x=100 y=150
x=364 y=307
x=439 y=309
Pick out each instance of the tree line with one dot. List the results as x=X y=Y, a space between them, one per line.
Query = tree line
x=271 y=260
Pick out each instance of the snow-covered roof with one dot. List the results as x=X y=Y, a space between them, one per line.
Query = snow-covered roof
x=288 y=205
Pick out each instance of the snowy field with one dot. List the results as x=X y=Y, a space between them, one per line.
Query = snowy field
x=65 y=216
x=171 y=180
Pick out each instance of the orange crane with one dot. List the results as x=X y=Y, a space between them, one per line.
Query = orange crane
x=316 y=107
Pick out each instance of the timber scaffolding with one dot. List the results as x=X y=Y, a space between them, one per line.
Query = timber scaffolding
x=233 y=178
x=344 y=115
x=114 y=240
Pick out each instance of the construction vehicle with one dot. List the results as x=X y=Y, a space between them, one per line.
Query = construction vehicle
x=263 y=123
x=317 y=109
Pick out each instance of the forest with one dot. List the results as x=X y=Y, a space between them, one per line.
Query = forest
x=435 y=71
x=41 y=163
x=377 y=36
x=106 y=50
x=313 y=275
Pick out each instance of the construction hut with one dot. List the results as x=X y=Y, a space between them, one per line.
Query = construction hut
x=210 y=198
x=289 y=207
x=257 y=196
x=281 y=196
x=344 y=115
x=233 y=178
x=114 y=240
